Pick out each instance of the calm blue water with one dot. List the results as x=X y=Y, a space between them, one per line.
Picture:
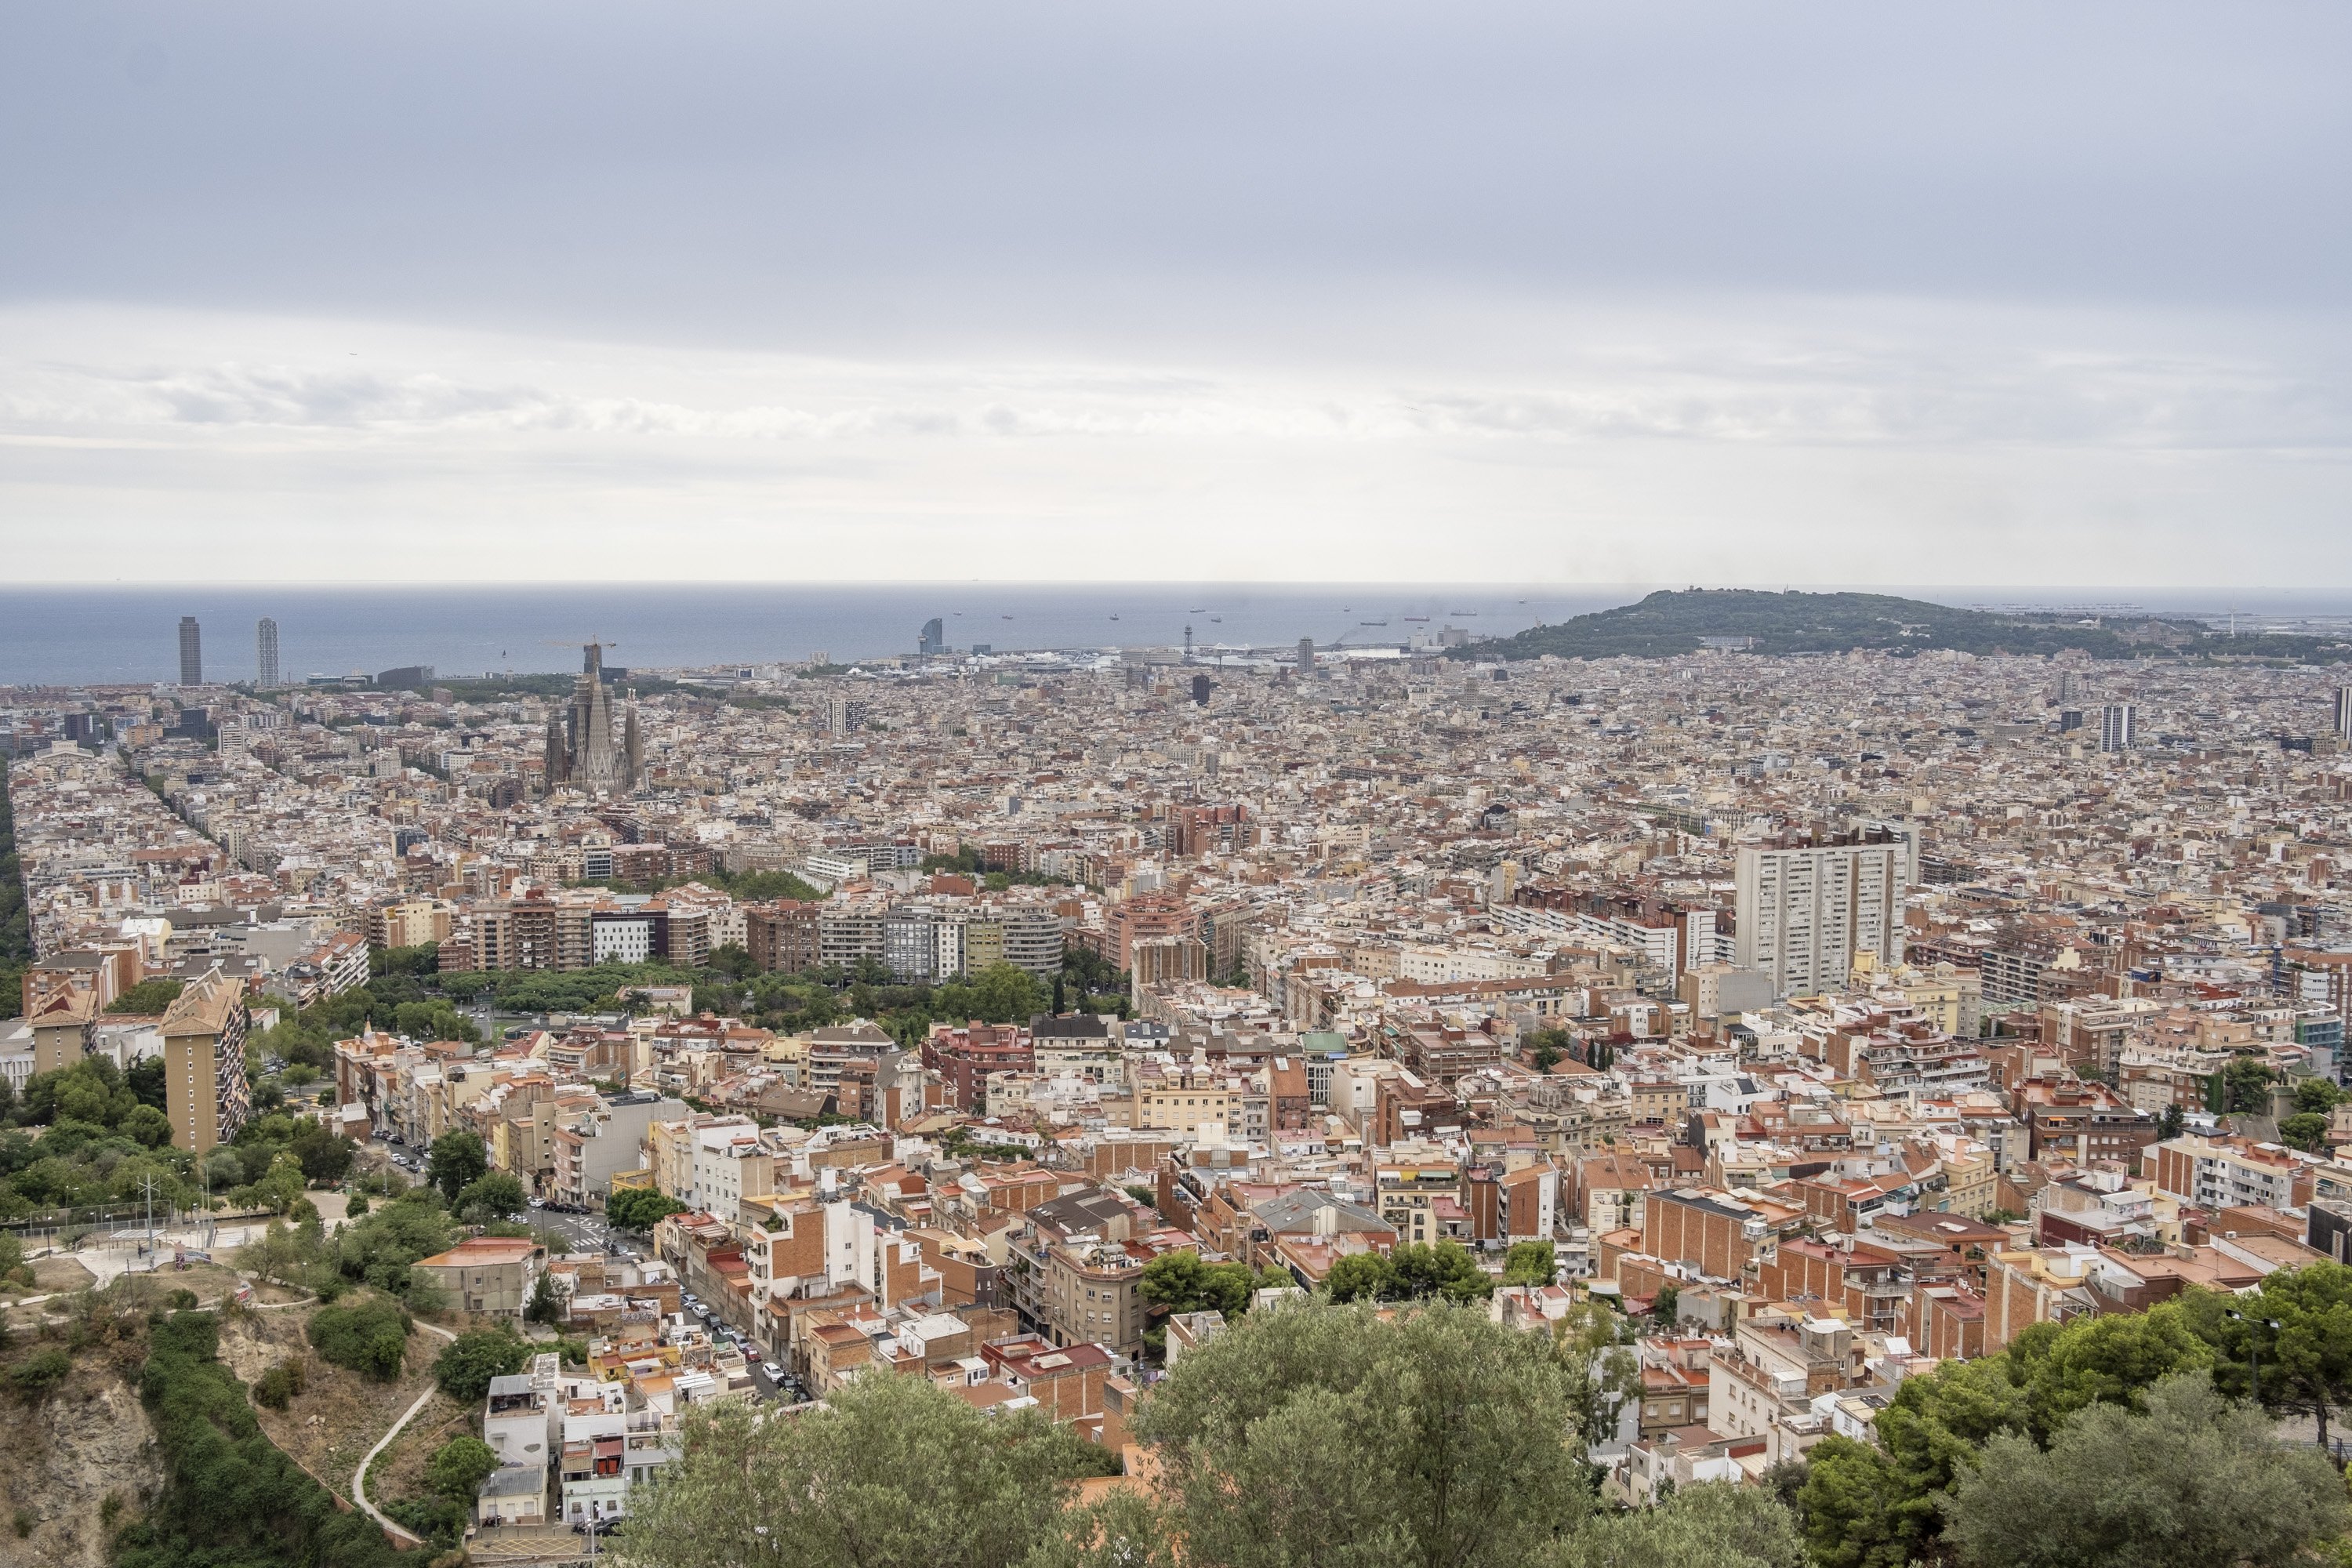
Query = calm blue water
x=52 y=635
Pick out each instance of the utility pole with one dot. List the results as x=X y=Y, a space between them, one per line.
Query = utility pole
x=147 y=1240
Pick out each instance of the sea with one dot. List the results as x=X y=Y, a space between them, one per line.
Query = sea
x=125 y=635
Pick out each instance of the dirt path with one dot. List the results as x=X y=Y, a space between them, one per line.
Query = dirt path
x=359 y=1477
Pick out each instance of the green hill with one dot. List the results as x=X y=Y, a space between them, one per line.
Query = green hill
x=1671 y=622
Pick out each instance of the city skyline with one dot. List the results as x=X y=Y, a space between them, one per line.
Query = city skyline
x=1566 y=292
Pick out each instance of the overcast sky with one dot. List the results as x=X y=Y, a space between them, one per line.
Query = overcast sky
x=1734 y=293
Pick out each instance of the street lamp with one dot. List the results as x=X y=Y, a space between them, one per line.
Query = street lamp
x=2254 y=1348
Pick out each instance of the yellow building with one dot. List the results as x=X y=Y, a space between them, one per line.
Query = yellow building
x=204 y=1090
x=63 y=1029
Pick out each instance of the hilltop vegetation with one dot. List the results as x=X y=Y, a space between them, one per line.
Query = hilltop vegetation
x=1672 y=622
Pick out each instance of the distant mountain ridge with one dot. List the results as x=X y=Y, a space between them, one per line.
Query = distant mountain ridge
x=1676 y=621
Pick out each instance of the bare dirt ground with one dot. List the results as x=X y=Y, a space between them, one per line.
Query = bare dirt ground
x=339 y=1415
x=399 y=1472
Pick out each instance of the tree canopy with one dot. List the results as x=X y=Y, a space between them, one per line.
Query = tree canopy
x=1433 y=1438
x=892 y=1472
x=2189 y=1481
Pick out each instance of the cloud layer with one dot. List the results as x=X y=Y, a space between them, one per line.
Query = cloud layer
x=1587 y=292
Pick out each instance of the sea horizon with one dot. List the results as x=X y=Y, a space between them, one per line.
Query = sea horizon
x=101 y=634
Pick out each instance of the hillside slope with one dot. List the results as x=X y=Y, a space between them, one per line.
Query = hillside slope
x=1673 y=622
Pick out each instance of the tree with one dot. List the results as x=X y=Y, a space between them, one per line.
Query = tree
x=1444 y=1268
x=459 y=1467
x=2168 y=1123
x=1667 y=1305
x=639 y=1208
x=2111 y=1358
x=892 y=1472
x=2191 y=1481
x=2306 y=1131
x=1546 y=1047
x=1180 y=1282
x=1529 y=1263
x=457 y=1158
x=1428 y=1437
x=381 y=1248
x=1589 y=1342
x=368 y=1333
x=466 y=1366
x=326 y=1156
x=281 y=1188
x=1880 y=1507
x=2316 y=1096
x=2245 y=1087
x=2307 y=1360
x=546 y=1302
x=733 y=960
x=278 y=1255
x=1711 y=1526
x=1360 y=1277
x=497 y=1195
x=145 y=1081
x=149 y=996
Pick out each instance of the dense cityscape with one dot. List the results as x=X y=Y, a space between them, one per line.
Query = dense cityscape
x=1781 y=1050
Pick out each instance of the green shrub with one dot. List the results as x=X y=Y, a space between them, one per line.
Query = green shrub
x=277 y=1387
x=465 y=1368
x=368 y=1334
x=230 y=1496
x=439 y=1521
x=459 y=1467
x=36 y=1374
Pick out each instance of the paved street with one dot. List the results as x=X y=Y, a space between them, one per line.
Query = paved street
x=587 y=1232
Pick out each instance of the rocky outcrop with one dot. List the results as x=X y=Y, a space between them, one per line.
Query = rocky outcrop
x=85 y=1443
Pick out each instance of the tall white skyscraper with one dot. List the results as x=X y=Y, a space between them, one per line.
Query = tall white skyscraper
x=2118 y=727
x=1804 y=910
x=2344 y=713
x=265 y=653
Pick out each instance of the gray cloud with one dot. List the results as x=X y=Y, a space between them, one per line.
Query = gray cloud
x=1406 y=287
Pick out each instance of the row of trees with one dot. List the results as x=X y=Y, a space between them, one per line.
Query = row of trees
x=1433 y=1437
x=1896 y=1502
x=1315 y=1435
x=103 y=1140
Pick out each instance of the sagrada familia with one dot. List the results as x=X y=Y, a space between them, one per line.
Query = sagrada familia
x=584 y=749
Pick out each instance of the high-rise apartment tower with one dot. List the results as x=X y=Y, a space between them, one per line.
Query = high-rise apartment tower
x=192 y=652
x=1804 y=909
x=265 y=653
x=2118 y=727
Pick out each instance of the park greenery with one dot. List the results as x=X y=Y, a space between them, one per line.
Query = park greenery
x=2087 y=1388
x=377 y=1251
x=1416 y=1271
x=1672 y=622
x=1177 y=1283
x=93 y=1138
x=639 y=1208
x=410 y=993
x=1427 y=1435
x=231 y=1497
x=467 y=1366
x=147 y=997
x=366 y=1332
